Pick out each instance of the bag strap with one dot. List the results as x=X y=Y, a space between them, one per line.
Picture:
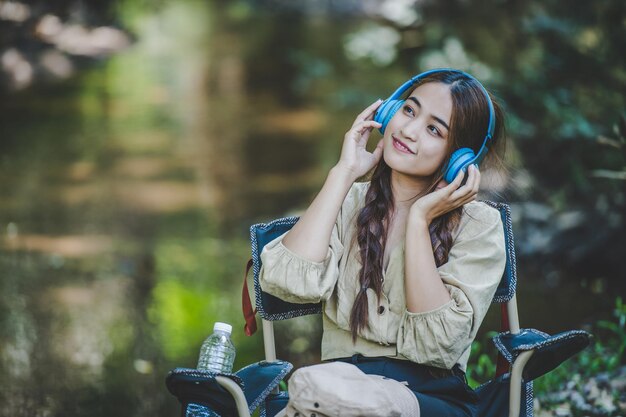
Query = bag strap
x=503 y=365
x=246 y=305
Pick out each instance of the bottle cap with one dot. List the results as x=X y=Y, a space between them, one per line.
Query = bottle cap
x=224 y=327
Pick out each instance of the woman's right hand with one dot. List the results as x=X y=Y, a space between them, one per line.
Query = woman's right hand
x=355 y=158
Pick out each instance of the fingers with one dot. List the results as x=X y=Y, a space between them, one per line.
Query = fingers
x=450 y=196
x=448 y=190
x=469 y=190
x=456 y=182
x=362 y=130
x=378 y=152
x=476 y=185
x=368 y=113
x=441 y=184
x=367 y=124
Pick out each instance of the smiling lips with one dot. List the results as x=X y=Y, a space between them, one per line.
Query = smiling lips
x=401 y=146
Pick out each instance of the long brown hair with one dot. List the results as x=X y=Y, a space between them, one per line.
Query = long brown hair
x=468 y=128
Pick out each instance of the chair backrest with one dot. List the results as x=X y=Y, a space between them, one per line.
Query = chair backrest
x=272 y=308
x=508 y=283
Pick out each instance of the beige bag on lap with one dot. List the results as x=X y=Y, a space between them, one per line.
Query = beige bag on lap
x=339 y=389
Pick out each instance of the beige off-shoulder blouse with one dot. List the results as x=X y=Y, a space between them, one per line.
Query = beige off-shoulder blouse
x=441 y=337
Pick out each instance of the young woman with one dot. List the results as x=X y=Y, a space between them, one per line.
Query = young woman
x=406 y=264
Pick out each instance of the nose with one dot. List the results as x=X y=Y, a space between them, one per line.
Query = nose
x=410 y=130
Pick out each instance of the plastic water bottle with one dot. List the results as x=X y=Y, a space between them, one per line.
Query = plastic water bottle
x=217 y=353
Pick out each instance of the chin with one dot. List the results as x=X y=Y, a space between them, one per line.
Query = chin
x=399 y=162
x=407 y=167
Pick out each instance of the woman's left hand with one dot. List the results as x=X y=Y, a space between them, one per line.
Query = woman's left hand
x=447 y=197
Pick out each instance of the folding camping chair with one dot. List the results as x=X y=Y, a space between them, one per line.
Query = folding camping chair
x=525 y=354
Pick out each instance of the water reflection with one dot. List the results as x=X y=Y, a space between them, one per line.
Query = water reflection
x=89 y=221
x=127 y=215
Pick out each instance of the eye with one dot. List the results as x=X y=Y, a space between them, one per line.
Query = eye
x=408 y=109
x=434 y=130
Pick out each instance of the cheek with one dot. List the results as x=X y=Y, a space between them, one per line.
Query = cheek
x=387 y=141
x=436 y=149
x=437 y=155
x=442 y=154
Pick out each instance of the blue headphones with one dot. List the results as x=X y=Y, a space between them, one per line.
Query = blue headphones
x=462 y=158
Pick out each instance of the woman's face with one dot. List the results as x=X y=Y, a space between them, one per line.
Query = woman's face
x=415 y=140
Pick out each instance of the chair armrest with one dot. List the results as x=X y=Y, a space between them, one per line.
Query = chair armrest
x=193 y=386
x=227 y=394
x=235 y=390
x=549 y=351
x=261 y=379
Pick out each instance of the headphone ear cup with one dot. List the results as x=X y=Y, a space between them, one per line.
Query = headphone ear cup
x=459 y=161
x=386 y=111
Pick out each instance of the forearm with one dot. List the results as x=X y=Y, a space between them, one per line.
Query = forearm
x=310 y=236
x=424 y=288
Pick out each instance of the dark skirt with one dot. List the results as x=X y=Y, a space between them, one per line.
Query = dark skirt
x=440 y=392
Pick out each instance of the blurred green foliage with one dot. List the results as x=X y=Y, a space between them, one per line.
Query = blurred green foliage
x=606 y=354
x=198 y=284
x=482 y=363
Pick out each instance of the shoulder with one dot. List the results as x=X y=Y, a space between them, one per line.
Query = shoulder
x=481 y=211
x=479 y=217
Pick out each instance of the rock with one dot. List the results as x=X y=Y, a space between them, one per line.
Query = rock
x=605 y=402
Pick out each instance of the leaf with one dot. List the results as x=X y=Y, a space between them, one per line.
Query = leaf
x=608 y=325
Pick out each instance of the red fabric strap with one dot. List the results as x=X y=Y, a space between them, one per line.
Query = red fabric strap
x=503 y=365
x=246 y=305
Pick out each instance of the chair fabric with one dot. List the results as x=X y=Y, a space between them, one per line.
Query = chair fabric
x=508 y=284
x=201 y=395
x=260 y=379
x=197 y=410
x=493 y=398
x=274 y=403
x=193 y=386
x=270 y=307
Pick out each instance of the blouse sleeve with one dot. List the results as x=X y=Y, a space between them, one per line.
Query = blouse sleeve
x=475 y=266
x=294 y=279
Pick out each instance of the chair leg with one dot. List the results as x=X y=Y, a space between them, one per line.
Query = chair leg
x=234 y=390
x=516 y=383
x=269 y=344
x=268 y=341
